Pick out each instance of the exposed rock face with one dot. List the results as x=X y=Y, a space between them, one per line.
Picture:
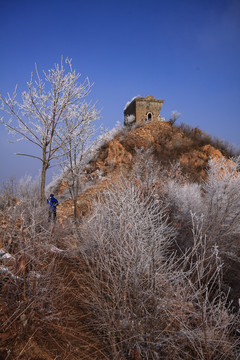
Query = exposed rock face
x=167 y=143
x=117 y=154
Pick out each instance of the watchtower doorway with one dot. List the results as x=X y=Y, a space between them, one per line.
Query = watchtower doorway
x=149 y=116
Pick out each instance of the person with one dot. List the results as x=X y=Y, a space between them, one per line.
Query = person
x=53 y=203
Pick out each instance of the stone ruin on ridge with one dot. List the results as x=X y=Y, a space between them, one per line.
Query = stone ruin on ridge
x=141 y=109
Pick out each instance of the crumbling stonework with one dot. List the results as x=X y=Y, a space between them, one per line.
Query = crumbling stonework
x=142 y=109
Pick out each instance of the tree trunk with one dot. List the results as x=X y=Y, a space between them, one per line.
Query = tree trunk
x=75 y=192
x=43 y=181
x=43 y=178
x=75 y=208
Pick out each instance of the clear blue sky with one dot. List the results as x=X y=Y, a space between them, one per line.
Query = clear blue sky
x=186 y=52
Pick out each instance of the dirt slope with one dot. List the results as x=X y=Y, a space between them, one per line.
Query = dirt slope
x=167 y=143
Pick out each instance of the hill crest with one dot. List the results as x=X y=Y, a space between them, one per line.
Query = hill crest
x=165 y=142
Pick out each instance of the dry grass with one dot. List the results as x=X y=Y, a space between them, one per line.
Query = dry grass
x=113 y=288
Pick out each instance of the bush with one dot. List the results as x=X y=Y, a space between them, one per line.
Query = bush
x=222 y=197
x=120 y=279
x=202 y=138
x=216 y=201
x=145 y=301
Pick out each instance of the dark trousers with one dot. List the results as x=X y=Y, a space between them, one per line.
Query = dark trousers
x=52 y=214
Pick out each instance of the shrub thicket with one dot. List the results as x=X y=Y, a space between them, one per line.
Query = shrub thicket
x=143 y=299
x=117 y=289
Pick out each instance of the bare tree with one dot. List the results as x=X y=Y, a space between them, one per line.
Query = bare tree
x=41 y=115
x=74 y=141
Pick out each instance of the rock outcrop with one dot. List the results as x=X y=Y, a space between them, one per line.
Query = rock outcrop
x=167 y=143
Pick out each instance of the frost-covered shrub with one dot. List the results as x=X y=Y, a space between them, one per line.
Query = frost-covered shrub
x=8 y=194
x=184 y=199
x=28 y=190
x=222 y=199
x=130 y=217
x=129 y=119
x=125 y=240
x=21 y=209
x=174 y=116
x=25 y=191
x=145 y=302
x=216 y=201
x=146 y=170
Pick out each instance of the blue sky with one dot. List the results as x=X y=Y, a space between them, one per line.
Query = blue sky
x=186 y=52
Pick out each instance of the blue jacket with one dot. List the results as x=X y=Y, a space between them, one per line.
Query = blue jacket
x=52 y=203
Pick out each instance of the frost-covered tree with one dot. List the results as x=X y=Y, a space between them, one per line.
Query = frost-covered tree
x=74 y=141
x=41 y=117
x=174 y=116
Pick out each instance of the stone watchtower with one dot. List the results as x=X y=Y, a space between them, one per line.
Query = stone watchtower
x=142 y=109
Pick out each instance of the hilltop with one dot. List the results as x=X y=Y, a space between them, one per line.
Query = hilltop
x=165 y=142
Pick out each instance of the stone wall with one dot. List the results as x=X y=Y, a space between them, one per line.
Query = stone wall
x=144 y=109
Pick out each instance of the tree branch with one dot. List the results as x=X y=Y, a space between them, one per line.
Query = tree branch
x=21 y=133
x=35 y=157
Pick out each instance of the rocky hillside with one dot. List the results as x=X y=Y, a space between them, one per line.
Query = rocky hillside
x=167 y=143
x=150 y=272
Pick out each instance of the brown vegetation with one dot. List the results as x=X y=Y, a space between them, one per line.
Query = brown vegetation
x=167 y=143
x=146 y=273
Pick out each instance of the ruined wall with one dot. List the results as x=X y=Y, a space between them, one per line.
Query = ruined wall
x=143 y=109
x=130 y=110
x=148 y=109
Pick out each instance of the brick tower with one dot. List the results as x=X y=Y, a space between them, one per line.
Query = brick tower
x=142 y=109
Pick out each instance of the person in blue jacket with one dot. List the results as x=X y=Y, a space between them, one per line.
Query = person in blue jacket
x=53 y=203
